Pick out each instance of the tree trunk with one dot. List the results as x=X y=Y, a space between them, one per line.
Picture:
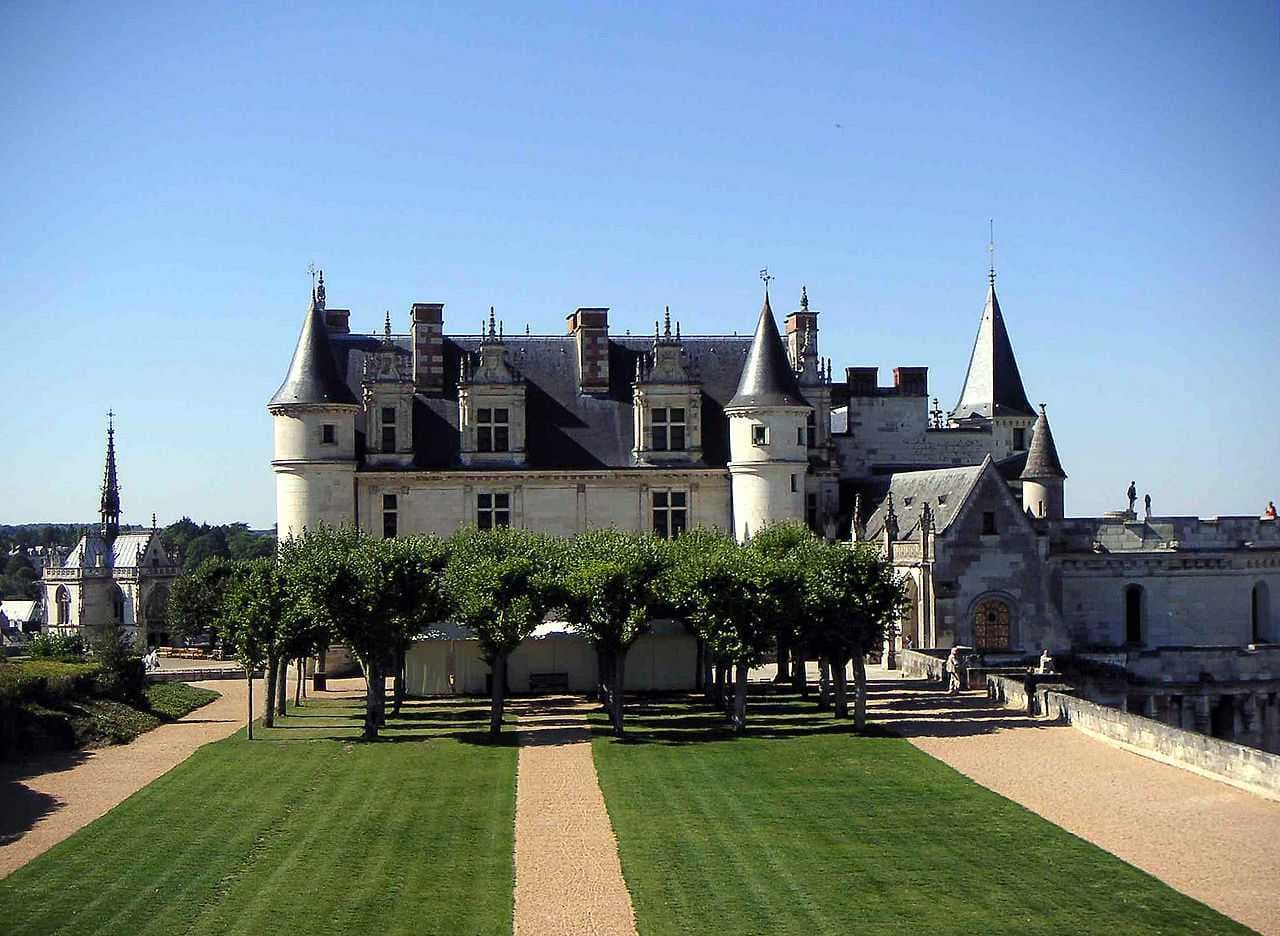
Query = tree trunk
x=272 y=674
x=602 y=678
x=860 y=693
x=282 y=688
x=840 y=678
x=499 y=681
x=800 y=675
x=302 y=681
x=824 y=683
x=784 y=659
x=373 y=688
x=397 y=686
x=248 y=675
x=740 y=698
x=617 y=692
x=718 y=693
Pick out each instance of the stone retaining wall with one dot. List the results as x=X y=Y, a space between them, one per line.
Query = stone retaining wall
x=1224 y=760
x=198 y=674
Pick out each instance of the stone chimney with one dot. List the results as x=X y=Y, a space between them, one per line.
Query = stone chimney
x=590 y=330
x=427 y=325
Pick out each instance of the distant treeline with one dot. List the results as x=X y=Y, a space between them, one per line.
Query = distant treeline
x=195 y=543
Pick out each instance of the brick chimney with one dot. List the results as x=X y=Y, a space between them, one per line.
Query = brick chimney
x=911 y=381
x=338 y=321
x=427 y=325
x=590 y=330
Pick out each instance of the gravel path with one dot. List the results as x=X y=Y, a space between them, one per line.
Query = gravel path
x=1207 y=839
x=45 y=799
x=568 y=877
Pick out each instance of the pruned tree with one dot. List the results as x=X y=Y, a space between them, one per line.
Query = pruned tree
x=255 y=603
x=196 y=599
x=718 y=587
x=501 y=583
x=782 y=549
x=851 y=596
x=611 y=588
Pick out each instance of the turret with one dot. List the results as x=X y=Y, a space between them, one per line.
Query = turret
x=1042 y=477
x=993 y=394
x=767 y=446
x=315 y=447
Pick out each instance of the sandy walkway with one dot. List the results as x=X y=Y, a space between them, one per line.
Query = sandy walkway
x=44 y=799
x=568 y=877
x=1207 y=839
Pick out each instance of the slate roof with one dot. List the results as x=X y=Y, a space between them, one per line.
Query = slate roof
x=767 y=377
x=1042 y=457
x=566 y=429
x=945 y=490
x=314 y=375
x=20 y=610
x=992 y=385
x=120 y=553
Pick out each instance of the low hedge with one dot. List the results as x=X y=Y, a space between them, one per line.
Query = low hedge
x=47 y=681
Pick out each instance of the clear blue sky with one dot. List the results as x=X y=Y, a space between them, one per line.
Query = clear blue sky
x=169 y=173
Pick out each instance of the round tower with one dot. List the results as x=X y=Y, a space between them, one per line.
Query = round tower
x=768 y=455
x=1042 y=478
x=314 y=412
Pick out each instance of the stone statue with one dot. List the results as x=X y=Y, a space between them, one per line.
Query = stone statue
x=1046 y=662
x=1146 y=502
x=1133 y=495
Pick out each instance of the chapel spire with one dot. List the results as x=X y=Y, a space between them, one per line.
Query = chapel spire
x=109 y=509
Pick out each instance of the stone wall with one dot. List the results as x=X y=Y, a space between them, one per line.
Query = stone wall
x=886 y=430
x=1237 y=764
x=922 y=664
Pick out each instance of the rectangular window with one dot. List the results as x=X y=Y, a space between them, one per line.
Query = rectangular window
x=670 y=513
x=328 y=434
x=988 y=523
x=390 y=517
x=811 y=511
x=799 y=435
x=759 y=435
x=794 y=488
x=493 y=429
x=1019 y=439
x=811 y=430
x=667 y=429
x=388 y=428
x=493 y=510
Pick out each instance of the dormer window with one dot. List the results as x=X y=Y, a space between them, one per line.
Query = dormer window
x=388 y=428
x=328 y=434
x=493 y=429
x=668 y=429
x=759 y=435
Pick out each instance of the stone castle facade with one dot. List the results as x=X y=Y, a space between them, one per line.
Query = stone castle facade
x=427 y=431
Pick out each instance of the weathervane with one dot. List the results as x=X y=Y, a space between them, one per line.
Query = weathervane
x=764 y=275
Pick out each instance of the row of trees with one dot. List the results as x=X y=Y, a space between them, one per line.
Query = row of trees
x=827 y=602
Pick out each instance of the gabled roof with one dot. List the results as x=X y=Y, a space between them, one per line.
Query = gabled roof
x=313 y=373
x=992 y=385
x=1042 y=457
x=767 y=377
x=118 y=553
x=945 y=490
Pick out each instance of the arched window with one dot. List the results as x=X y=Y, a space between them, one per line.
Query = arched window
x=117 y=604
x=992 y=620
x=1260 y=613
x=63 y=599
x=1133 y=602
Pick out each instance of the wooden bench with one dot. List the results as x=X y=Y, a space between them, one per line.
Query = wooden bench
x=547 y=682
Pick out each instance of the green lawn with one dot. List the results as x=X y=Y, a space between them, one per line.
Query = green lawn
x=307 y=831
x=800 y=828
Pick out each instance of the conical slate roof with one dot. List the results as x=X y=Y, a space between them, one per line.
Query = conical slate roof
x=313 y=373
x=1042 y=457
x=993 y=386
x=767 y=377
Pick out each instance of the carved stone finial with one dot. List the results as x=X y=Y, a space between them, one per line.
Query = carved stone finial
x=666 y=322
x=386 y=326
x=492 y=331
x=804 y=299
x=677 y=330
x=320 y=292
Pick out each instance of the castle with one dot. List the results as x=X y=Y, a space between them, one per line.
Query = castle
x=424 y=432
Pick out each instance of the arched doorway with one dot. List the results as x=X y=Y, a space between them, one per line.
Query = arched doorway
x=117 y=604
x=62 y=598
x=1133 y=608
x=910 y=623
x=1260 y=613
x=992 y=625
